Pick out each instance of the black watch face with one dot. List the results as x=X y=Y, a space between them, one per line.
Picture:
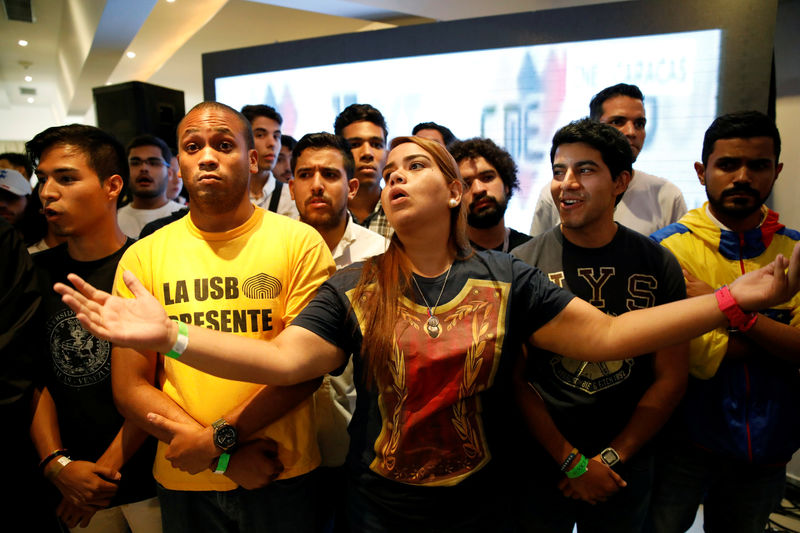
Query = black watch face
x=225 y=437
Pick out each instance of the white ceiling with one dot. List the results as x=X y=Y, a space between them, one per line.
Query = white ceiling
x=75 y=45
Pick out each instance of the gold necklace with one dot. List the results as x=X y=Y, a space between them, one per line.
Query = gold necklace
x=432 y=325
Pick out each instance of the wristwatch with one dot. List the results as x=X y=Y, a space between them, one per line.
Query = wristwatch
x=609 y=456
x=225 y=435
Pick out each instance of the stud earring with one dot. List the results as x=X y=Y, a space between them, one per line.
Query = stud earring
x=453 y=202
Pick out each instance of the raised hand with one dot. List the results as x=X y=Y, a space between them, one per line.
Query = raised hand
x=139 y=322
x=770 y=285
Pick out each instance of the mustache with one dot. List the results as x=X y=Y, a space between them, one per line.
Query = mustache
x=740 y=189
x=480 y=197
x=318 y=197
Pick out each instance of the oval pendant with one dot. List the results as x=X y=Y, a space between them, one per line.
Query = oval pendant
x=432 y=327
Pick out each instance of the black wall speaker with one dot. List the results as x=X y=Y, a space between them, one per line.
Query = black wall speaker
x=135 y=108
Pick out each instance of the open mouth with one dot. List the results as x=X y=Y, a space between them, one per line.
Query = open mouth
x=570 y=202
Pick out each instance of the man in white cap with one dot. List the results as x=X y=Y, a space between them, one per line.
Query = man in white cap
x=15 y=192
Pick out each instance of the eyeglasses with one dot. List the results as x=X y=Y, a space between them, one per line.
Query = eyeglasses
x=151 y=162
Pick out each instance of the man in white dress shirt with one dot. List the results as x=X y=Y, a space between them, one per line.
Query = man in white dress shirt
x=323 y=181
x=266 y=191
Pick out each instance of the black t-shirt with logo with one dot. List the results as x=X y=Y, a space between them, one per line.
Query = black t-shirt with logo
x=76 y=367
x=592 y=402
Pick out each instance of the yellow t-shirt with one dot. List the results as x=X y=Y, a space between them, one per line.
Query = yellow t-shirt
x=252 y=280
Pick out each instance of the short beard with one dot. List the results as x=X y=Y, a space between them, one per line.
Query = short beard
x=149 y=193
x=327 y=221
x=736 y=211
x=488 y=218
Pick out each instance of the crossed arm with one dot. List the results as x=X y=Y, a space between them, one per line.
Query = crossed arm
x=191 y=447
x=779 y=339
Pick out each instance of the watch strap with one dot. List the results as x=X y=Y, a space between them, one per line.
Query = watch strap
x=737 y=318
x=222 y=463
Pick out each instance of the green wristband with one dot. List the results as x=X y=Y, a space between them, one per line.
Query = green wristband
x=579 y=469
x=181 y=342
x=222 y=463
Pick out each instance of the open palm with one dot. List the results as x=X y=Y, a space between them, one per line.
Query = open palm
x=139 y=322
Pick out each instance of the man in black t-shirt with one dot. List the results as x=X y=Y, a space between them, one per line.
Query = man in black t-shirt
x=594 y=420
x=490 y=176
x=98 y=461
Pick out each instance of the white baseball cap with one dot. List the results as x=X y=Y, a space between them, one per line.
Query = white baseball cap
x=14 y=182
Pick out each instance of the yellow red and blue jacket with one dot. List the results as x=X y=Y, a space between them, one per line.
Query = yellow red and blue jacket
x=742 y=408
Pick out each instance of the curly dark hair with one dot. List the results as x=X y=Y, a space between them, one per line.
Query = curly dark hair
x=358 y=113
x=501 y=160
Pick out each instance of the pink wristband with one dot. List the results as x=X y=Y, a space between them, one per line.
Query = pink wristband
x=737 y=318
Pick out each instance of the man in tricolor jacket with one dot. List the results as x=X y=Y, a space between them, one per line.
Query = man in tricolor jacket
x=737 y=427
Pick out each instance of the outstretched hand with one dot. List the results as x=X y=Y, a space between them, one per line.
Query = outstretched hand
x=139 y=322
x=770 y=285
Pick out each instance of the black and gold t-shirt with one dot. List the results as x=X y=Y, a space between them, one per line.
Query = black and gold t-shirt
x=592 y=402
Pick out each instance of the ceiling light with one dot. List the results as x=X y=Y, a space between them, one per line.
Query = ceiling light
x=131 y=54
x=170 y=1
x=28 y=78
x=31 y=100
x=22 y=42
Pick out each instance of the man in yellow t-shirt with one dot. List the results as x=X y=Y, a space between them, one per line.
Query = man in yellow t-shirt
x=232 y=267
